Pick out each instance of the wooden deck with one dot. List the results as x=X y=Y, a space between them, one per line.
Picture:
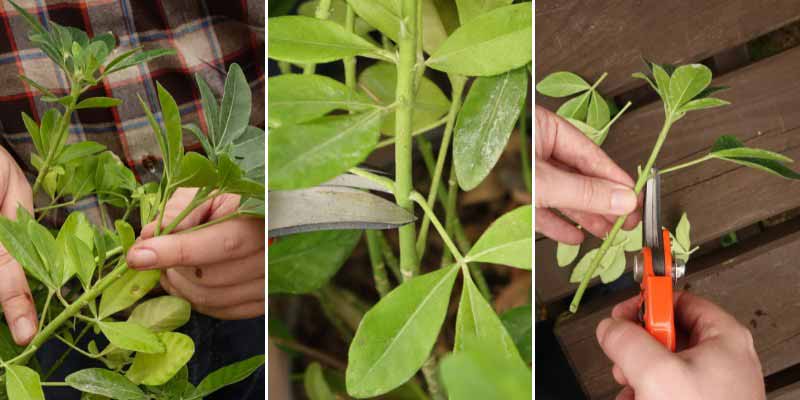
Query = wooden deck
x=757 y=280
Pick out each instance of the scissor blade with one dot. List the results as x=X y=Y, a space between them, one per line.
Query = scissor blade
x=355 y=181
x=652 y=211
x=331 y=207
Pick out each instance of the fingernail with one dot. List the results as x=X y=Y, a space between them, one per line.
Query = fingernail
x=23 y=329
x=623 y=201
x=602 y=327
x=142 y=258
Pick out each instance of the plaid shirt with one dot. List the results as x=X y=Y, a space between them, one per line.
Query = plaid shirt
x=207 y=36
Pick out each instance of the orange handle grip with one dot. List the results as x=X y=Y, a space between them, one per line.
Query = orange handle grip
x=658 y=316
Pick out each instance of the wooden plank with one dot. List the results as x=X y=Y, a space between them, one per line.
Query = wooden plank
x=791 y=392
x=594 y=36
x=719 y=197
x=756 y=285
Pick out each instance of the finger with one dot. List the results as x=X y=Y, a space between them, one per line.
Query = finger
x=17 y=193
x=227 y=273
x=225 y=241
x=16 y=300
x=702 y=318
x=618 y=375
x=595 y=224
x=632 y=349
x=241 y=311
x=627 y=310
x=626 y=394
x=175 y=205
x=552 y=226
x=216 y=297
x=557 y=188
x=558 y=139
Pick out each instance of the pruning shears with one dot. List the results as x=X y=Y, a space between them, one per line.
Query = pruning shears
x=344 y=202
x=656 y=269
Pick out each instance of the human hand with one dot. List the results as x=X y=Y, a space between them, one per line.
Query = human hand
x=716 y=357
x=15 y=295
x=219 y=269
x=576 y=177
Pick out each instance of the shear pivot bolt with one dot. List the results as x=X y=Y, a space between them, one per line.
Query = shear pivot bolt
x=678 y=269
x=638 y=267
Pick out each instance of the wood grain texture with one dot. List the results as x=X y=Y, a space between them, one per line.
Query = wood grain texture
x=719 y=197
x=590 y=37
x=754 y=285
x=791 y=392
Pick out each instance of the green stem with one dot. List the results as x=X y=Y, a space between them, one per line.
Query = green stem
x=438 y=225
x=322 y=12
x=199 y=198
x=213 y=222
x=76 y=348
x=57 y=384
x=350 y=62
x=640 y=182
x=684 y=165
x=71 y=311
x=378 y=265
x=46 y=307
x=63 y=130
x=433 y=125
x=66 y=353
x=54 y=206
x=407 y=43
x=458 y=83
x=389 y=257
x=450 y=215
x=607 y=128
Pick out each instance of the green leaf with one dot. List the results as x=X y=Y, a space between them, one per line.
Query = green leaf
x=519 y=325
x=173 y=133
x=562 y=84
x=434 y=32
x=45 y=245
x=583 y=265
x=472 y=375
x=384 y=15
x=49 y=129
x=682 y=232
x=702 y=104
x=45 y=91
x=126 y=234
x=508 y=241
x=338 y=14
x=315 y=385
x=105 y=383
x=22 y=383
x=234 y=112
x=8 y=348
x=379 y=81
x=78 y=259
x=131 y=336
x=299 y=39
x=210 y=110
x=729 y=148
x=687 y=82
x=162 y=314
x=615 y=268
x=157 y=369
x=98 y=102
x=662 y=81
x=79 y=150
x=469 y=9
x=639 y=75
x=566 y=253
x=485 y=123
x=196 y=171
x=396 y=336
x=479 y=328
x=490 y=44
x=295 y=98
x=309 y=154
x=304 y=262
x=595 y=135
x=33 y=129
x=178 y=387
x=599 y=114
x=576 y=108
x=632 y=239
x=125 y=291
x=227 y=375
x=132 y=58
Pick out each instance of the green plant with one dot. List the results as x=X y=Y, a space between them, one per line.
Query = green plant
x=681 y=89
x=83 y=263
x=310 y=145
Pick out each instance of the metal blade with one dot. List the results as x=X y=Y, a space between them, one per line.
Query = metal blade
x=331 y=207
x=355 y=181
x=652 y=221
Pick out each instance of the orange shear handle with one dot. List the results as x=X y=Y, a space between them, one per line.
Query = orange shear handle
x=659 y=314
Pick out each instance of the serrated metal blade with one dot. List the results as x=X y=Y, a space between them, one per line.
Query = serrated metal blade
x=331 y=207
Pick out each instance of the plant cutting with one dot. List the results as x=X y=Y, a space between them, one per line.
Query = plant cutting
x=681 y=89
x=321 y=130
x=77 y=273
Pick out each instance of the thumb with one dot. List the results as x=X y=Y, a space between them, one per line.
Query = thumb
x=633 y=350
x=561 y=189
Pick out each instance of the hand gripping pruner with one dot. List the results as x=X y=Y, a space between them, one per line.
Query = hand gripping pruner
x=656 y=269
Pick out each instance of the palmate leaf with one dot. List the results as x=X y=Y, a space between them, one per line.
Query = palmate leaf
x=396 y=336
x=687 y=82
x=729 y=148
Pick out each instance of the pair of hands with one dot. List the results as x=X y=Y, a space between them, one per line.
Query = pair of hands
x=719 y=361
x=219 y=269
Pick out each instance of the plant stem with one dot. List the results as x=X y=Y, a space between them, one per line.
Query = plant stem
x=199 y=198
x=378 y=265
x=433 y=125
x=58 y=384
x=66 y=353
x=76 y=348
x=54 y=206
x=525 y=160
x=312 y=353
x=457 y=83
x=607 y=128
x=389 y=257
x=350 y=62
x=322 y=12
x=640 y=182
x=684 y=165
x=407 y=43
x=227 y=217
x=71 y=311
x=438 y=225
x=63 y=130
